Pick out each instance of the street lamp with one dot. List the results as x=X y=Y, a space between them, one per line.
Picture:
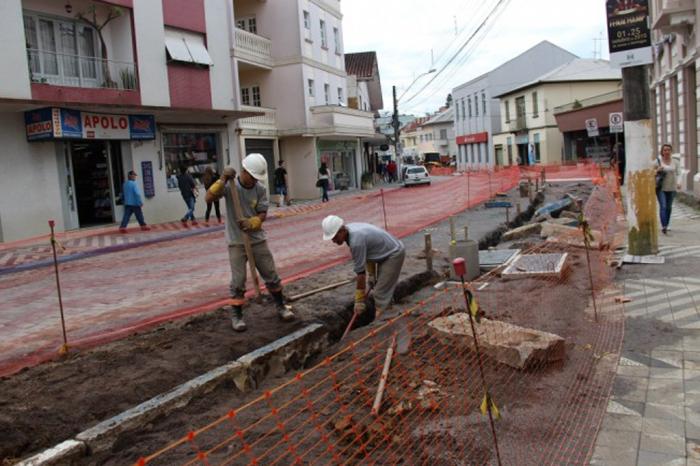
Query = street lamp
x=397 y=124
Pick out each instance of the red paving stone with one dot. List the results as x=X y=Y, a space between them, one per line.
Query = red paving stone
x=111 y=295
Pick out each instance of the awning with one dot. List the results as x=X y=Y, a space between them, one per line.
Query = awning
x=186 y=47
x=575 y=120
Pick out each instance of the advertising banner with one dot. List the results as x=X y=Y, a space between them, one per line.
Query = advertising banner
x=629 y=37
x=38 y=124
x=149 y=189
x=142 y=126
x=51 y=123
x=105 y=126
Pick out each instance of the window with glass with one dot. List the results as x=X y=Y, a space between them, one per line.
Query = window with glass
x=327 y=93
x=507 y=107
x=256 y=96
x=191 y=153
x=245 y=96
x=310 y=85
x=443 y=134
x=340 y=96
x=535 y=105
x=324 y=39
x=483 y=103
x=251 y=96
x=336 y=40
x=248 y=24
x=62 y=52
x=476 y=104
x=457 y=111
x=469 y=106
x=307 y=20
x=464 y=114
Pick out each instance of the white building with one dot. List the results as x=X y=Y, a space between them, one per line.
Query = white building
x=290 y=65
x=674 y=83
x=438 y=134
x=477 y=113
x=76 y=114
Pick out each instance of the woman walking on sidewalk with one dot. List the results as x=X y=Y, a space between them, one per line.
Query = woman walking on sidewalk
x=322 y=181
x=209 y=177
x=667 y=174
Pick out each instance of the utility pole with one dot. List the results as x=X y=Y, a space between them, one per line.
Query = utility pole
x=643 y=231
x=397 y=127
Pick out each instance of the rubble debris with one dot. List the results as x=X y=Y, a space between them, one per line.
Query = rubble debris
x=569 y=214
x=514 y=346
x=569 y=235
x=521 y=232
x=554 y=207
x=536 y=265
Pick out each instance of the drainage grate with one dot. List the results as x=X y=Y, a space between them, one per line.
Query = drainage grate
x=537 y=265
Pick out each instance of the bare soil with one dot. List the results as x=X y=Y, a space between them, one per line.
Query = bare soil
x=44 y=405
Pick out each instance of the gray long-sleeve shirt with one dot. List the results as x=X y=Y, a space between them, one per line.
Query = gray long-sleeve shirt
x=253 y=202
x=369 y=243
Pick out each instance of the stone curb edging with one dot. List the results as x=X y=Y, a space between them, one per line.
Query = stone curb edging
x=247 y=373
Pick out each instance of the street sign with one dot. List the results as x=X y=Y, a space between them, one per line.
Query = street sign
x=592 y=127
x=616 y=122
x=629 y=38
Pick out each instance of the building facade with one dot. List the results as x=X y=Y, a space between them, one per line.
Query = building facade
x=437 y=135
x=530 y=134
x=674 y=83
x=98 y=88
x=477 y=114
x=290 y=64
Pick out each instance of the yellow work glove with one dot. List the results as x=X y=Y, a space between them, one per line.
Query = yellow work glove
x=250 y=224
x=360 y=306
x=217 y=189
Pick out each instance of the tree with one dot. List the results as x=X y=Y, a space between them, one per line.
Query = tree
x=89 y=17
x=448 y=101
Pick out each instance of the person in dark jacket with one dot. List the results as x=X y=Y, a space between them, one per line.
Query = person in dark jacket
x=323 y=177
x=188 y=191
x=209 y=178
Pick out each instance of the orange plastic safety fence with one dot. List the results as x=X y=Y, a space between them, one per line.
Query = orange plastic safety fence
x=550 y=405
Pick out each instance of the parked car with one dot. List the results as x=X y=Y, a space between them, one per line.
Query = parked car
x=416 y=174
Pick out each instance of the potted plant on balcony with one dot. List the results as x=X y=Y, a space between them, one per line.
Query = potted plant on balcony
x=367 y=180
x=89 y=17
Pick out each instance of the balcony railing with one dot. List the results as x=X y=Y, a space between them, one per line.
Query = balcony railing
x=518 y=123
x=253 y=48
x=268 y=121
x=62 y=69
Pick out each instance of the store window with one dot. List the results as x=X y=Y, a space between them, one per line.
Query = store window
x=192 y=152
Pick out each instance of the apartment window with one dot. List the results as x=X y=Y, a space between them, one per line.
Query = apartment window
x=307 y=20
x=327 y=93
x=464 y=114
x=443 y=134
x=336 y=40
x=469 y=105
x=520 y=109
x=64 y=52
x=476 y=104
x=311 y=87
x=483 y=102
x=535 y=105
x=324 y=39
x=251 y=96
x=340 y=96
x=247 y=23
x=507 y=105
x=457 y=112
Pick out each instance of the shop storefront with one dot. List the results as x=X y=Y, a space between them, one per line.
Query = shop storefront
x=91 y=152
x=341 y=160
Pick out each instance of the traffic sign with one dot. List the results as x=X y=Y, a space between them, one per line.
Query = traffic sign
x=617 y=124
x=592 y=127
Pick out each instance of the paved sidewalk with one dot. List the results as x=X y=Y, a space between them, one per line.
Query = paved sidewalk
x=653 y=417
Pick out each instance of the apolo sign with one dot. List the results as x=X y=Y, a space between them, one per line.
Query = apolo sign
x=62 y=123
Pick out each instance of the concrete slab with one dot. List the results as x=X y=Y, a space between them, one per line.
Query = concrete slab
x=515 y=346
x=536 y=265
x=491 y=259
x=63 y=453
x=522 y=232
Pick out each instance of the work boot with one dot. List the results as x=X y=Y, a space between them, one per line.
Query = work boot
x=283 y=310
x=237 y=321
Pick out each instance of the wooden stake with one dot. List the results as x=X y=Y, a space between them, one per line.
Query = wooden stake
x=466 y=232
x=453 y=233
x=428 y=252
x=246 y=239
x=385 y=374
x=319 y=290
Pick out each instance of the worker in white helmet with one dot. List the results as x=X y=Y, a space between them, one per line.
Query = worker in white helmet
x=254 y=204
x=371 y=247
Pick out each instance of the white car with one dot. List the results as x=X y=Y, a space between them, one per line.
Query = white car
x=416 y=174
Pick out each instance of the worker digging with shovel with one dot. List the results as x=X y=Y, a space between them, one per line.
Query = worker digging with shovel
x=371 y=248
x=244 y=234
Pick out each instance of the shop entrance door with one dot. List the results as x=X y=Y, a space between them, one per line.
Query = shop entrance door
x=93 y=192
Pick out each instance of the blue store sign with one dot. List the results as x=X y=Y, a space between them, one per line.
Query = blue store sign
x=52 y=123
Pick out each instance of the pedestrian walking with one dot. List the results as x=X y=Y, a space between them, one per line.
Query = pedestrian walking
x=281 y=184
x=322 y=181
x=208 y=179
x=668 y=172
x=133 y=202
x=391 y=171
x=372 y=249
x=188 y=190
x=254 y=205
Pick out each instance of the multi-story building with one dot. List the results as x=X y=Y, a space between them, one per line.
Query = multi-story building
x=439 y=135
x=412 y=139
x=92 y=89
x=674 y=83
x=530 y=133
x=477 y=112
x=288 y=57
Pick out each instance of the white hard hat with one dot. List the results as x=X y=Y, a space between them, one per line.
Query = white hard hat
x=331 y=225
x=256 y=165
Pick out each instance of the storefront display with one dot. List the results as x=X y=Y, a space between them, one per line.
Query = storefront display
x=191 y=152
x=339 y=158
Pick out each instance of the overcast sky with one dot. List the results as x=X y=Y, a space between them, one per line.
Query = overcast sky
x=403 y=33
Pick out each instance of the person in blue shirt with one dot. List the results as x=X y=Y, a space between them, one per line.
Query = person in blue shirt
x=132 y=203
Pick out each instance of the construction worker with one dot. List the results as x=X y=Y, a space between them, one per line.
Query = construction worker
x=254 y=205
x=371 y=247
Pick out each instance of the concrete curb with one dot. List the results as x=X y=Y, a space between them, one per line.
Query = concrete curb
x=247 y=372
